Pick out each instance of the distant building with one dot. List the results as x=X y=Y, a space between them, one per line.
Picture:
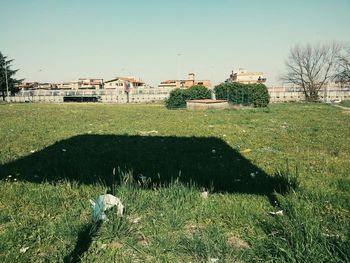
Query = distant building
x=36 y=86
x=119 y=82
x=85 y=83
x=184 y=83
x=82 y=83
x=245 y=77
x=122 y=84
x=28 y=85
x=69 y=85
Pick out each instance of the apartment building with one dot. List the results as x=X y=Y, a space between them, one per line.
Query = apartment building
x=184 y=83
x=246 y=77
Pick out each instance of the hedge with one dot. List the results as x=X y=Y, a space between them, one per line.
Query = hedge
x=178 y=97
x=245 y=94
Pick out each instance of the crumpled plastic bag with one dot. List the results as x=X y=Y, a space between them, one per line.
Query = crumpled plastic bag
x=278 y=213
x=103 y=203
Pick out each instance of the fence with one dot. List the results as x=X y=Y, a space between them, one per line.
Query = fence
x=144 y=95
x=107 y=96
x=291 y=94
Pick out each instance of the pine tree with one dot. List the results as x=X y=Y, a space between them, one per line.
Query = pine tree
x=7 y=73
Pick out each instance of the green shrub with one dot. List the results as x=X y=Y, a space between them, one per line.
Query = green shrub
x=178 y=97
x=260 y=95
x=199 y=93
x=245 y=94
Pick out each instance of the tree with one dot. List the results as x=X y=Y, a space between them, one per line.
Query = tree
x=311 y=67
x=343 y=67
x=7 y=82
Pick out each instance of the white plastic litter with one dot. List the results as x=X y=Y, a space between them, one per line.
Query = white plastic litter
x=278 y=213
x=103 y=203
x=148 y=132
x=204 y=195
x=23 y=249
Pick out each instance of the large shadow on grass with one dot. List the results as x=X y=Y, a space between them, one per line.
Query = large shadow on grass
x=87 y=159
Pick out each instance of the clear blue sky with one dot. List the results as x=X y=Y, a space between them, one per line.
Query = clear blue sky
x=60 y=40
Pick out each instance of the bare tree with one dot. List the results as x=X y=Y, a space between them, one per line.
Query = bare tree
x=311 y=67
x=343 y=67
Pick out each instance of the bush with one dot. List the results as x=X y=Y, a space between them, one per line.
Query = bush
x=178 y=97
x=260 y=95
x=245 y=94
x=199 y=93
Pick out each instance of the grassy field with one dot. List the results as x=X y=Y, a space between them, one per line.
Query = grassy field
x=345 y=103
x=290 y=157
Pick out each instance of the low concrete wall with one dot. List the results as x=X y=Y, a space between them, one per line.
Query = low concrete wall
x=112 y=98
x=280 y=94
x=134 y=98
x=19 y=99
x=206 y=104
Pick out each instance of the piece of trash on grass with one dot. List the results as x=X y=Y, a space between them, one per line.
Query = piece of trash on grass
x=278 y=213
x=331 y=235
x=103 y=203
x=134 y=220
x=246 y=150
x=204 y=195
x=148 y=132
x=23 y=249
x=33 y=151
x=213 y=260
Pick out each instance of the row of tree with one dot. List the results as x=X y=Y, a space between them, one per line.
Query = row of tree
x=311 y=67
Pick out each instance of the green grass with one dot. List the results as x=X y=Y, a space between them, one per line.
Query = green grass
x=55 y=157
x=345 y=103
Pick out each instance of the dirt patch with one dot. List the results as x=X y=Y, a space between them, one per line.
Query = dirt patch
x=116 y=245
x=143 y=240
x=237 y=242
x=192 y=229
